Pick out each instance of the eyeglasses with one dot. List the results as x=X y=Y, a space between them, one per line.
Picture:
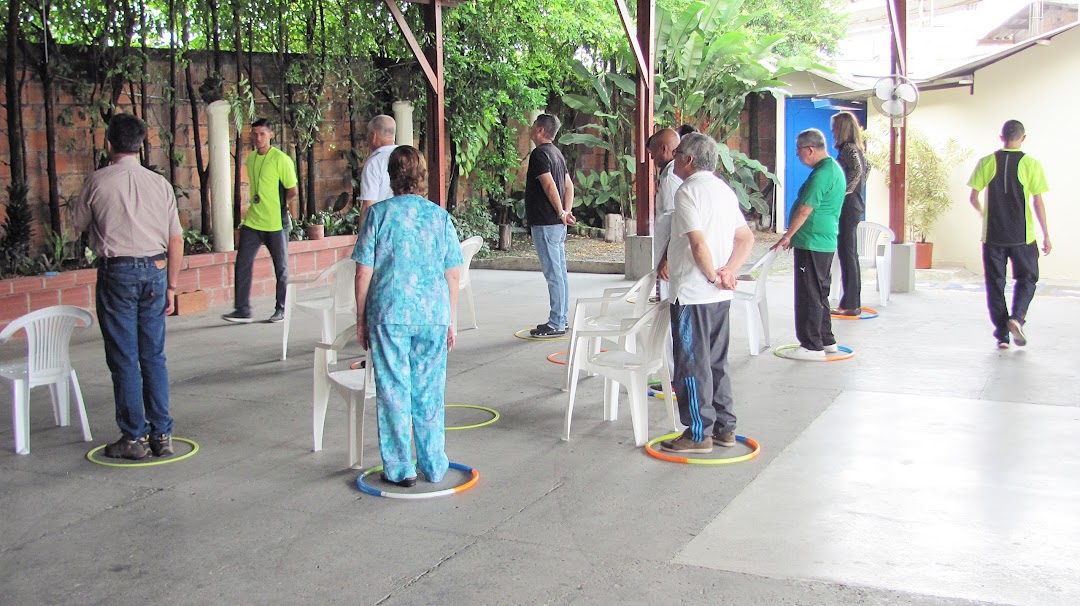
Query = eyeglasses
x=799 y=150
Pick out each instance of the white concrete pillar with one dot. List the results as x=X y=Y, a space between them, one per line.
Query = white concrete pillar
x=220 y=175
x=403 y=111
x=533 y=115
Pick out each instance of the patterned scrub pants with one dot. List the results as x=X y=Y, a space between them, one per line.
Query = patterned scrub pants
x=410 y=370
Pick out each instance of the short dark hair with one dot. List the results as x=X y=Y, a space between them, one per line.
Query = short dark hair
x=408 y=171
x=263 y=122
x=549 y=124
x=126 y=133
x=685 y=129
x=1012 y=130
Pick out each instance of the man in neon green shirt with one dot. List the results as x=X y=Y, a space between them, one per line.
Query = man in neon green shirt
x=1010 y=178
x=269 y=169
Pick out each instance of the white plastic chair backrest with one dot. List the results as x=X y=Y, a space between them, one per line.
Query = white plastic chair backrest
x=870 y=235
x=469 y=248
x=640 y=291
x=654 y=342
x=344 y=285
x=48 y=335
x=765 y=265
x=346 y=336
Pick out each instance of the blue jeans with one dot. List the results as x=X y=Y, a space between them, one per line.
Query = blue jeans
x=550 y=243
x=131 y=311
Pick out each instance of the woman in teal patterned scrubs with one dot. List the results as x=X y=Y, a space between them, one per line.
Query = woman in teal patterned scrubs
x=408 y=259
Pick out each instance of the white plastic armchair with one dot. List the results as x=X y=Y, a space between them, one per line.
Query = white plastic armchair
x=592 y=313
x=469 y=247
x=756 y=302
x=640 y=353
x=48 y=362
x=355 y=386
x=336 y=294
x=874 y=245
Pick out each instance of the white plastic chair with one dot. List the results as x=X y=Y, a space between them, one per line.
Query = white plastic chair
x=874 y=244
x=604 y=318
x=48 y=336
x=639 y=354
x=756 y=303
x=469 y=247
x=355 y=386
x=336 y=296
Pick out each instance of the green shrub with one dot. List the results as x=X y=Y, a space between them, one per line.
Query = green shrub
x=473 y=218
x=17 y=229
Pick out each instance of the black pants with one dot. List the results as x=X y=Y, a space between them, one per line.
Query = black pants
x=847 y=250
x=250 y=240
x=700 y=336
x=1025 y=269
x=813 y=325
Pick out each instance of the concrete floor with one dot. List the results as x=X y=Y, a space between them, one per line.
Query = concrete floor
x=929 y=469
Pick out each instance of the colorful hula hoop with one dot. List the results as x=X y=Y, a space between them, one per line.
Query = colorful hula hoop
x=474 y=476
x=495 y=416
x=844 y=353
x=865 y=313
x=524 y=334
x=551 y=358
x=194 y=449
x=657 y=391
x=755 y=450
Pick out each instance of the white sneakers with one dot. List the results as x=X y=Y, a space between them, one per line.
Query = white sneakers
x=831 y=349
x=802 y=353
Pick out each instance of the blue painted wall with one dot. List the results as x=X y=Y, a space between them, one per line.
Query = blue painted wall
x=801 y=114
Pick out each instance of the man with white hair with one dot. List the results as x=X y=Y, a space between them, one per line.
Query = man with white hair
x=709 y=243
x=374 y=178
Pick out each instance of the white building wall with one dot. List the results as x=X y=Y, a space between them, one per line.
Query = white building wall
x=1038 y=86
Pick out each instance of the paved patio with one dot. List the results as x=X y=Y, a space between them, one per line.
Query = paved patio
x=929 y=469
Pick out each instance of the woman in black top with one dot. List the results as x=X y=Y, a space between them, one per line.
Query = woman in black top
x=847 y=139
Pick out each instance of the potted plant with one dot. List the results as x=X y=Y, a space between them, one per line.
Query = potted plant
x=315 y=227
x=929 y=167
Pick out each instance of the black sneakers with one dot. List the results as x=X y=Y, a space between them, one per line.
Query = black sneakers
x=406 y=483
x=133 y=450
x=161 y=445
x=546 y=331
x=237 y=318
x=278 y=316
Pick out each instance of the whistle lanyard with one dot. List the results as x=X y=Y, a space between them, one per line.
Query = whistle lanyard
x=256 y=170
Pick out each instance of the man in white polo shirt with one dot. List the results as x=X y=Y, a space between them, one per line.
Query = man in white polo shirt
x=374 y=178
x=709 y=243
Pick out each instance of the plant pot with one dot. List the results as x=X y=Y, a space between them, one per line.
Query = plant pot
x=315 y=232
x=924 y=255
x=506 y=236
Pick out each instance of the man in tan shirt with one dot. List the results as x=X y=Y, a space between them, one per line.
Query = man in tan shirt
x=130 y=215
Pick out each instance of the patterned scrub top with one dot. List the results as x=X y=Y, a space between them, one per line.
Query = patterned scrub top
x=409 y=242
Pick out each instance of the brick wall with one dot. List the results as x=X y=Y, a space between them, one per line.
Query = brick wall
x=211 y=273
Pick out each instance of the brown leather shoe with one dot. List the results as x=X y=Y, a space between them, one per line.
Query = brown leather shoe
x=684 y=445
x=161 y=445
x=133 y=450
x=725 y=439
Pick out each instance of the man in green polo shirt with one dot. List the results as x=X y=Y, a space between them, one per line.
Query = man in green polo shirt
x=1010 y=178
x=812 y=230
x=269 y=169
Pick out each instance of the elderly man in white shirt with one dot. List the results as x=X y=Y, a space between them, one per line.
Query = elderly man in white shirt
x=709 y=243
x=374 y=178
x=662 y=149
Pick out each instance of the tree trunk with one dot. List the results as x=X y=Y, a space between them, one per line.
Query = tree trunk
x=16 y=139
x=238 y=44
x=172 y=94
x=50 y=150
x=203 y=172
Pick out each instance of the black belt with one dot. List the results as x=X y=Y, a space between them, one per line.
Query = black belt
x=118 y=261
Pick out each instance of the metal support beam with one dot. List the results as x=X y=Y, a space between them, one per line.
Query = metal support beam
x=643 y=44
x=898 y=140
x=431 y=62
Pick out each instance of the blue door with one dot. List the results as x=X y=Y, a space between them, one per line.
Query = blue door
x=801 y=114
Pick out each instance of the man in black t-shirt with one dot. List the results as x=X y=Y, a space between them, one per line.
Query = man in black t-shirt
x=549 y=198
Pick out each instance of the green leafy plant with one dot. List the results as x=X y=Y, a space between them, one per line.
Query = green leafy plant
x=473 y=218
x=929 y=166
x=17 y=230
x=195 y=242
x=741 y=173
x=54 y=250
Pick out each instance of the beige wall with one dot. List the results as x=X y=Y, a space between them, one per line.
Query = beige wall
x=1039 y=87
